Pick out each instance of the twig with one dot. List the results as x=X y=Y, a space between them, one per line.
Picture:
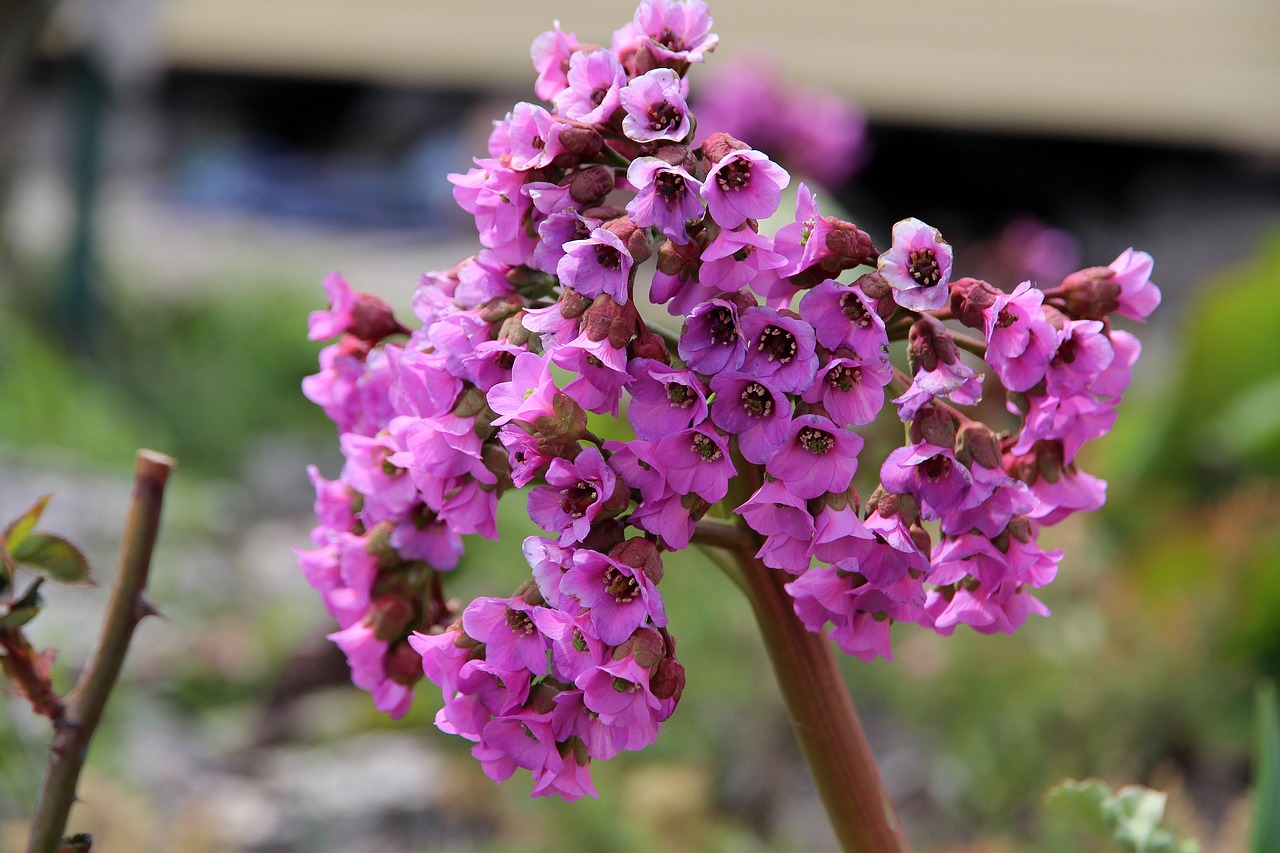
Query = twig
x=127 y=607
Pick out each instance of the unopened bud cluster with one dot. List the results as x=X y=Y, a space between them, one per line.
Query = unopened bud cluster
x=777 y=361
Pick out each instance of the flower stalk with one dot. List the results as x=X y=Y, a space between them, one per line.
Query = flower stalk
x=823 y=716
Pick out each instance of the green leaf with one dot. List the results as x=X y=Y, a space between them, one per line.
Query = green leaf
x=54 y=558
x=1266 y=794
x=24 y=609
x=21 y=527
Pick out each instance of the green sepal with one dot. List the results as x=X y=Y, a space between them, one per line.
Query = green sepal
x=52 y=557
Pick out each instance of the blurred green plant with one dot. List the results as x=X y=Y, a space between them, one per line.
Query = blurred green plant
x=1266 y=792
x=1130 y=819
x=202 y=377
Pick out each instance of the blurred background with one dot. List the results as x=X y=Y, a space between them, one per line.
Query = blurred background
x=177 y=177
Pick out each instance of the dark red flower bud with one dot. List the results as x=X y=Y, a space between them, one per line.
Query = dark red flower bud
x=668 y=681
x=1090 y=294
x=633 y=236
x=934 y=425
x=581 y=144
x=929 y=343
x=976 y=443
x=639 y=553
x=645 y=645
x=389 y=616
x=591 y=185
x=604 y=535
x=874 y=285
x=849 y=244
x=649 y=344
x=720 y=145
x=373 y=320
x=402 y=664
x=969 y=297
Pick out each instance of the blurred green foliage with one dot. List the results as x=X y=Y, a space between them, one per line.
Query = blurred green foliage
x=199 y=377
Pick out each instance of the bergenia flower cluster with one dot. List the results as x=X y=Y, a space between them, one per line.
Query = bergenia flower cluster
x=590 y=209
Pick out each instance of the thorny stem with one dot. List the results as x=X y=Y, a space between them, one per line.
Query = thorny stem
x=823 y=717
x=127 y=607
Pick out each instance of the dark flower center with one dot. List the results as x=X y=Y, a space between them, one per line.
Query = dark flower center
x=663 y=116
x=519 y=622
x=843 y=377
x=706 y=448
x=757 y=402
x=853 y=308
x=922 y=264
x=576 y=500
x=721 y=327
x=679 y=396
x=608 y=257
x=778 y=344
x=735 y=176
x=670 y=187
x=1005 y=318
x=670 y=40
x=597 y=96
x=815 y=440
x=936 y=468
x=622 y=587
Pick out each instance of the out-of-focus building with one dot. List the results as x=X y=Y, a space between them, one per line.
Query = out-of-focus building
x=1179 y=71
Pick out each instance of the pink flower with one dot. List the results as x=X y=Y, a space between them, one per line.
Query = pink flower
x=528 y=396
x=711 y=341
x=744 y=185
x=599 y=264
x=852 y=392
x=1020 y=341
x=664 y=400
x=619 y=598
x=753 y=409
x=668 y=197
x=819 y=457
x=782 y=518
x=697 y=462
x=595 y=80
x=736 y=259
x=655 y=106
x=575 y=496
x=506 y=627
x=676 y=30
x=550 y=54
x=917 y=266
x=1138 y=296
x=842 y=316
x=780 y=348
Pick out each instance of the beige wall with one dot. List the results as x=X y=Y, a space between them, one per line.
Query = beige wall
x=1185 y=71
